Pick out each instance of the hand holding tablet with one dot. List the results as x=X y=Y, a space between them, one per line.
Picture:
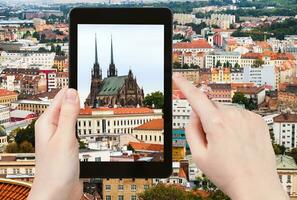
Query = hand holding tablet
x=119 y=58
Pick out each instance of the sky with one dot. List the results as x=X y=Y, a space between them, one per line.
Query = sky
x=136 y=47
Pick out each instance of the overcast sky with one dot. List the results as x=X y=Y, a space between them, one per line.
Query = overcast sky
x=139 y=47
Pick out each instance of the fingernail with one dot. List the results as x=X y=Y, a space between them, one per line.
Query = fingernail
x=71 y=96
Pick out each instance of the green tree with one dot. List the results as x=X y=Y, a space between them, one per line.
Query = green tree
x=258 y=63
x=12 y=148
x=278 y=149
x=293 y=153
x=27 y=34
x=167 y=192
x=176 y=65
x=236 y=66
x=26 y=147
x=155 y=98
x=36 y=35
x=53 y=48
x=239 y=98
x=178 y=37
x=26 y=134
x=214 y=193
x=129 y=147
x=42 y=50
x=219 y=64
x=218 y=195
x=82 y=145
x=12 y=134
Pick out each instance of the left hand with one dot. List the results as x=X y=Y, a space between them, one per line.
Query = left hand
x=57 y=162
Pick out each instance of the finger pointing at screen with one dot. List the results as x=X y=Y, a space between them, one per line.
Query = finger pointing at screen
x=231 y=146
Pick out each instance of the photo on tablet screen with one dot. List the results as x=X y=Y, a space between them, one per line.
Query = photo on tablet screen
x=121 y=85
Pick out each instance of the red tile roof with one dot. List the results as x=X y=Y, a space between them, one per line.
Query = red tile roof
x=272 y=55
x=286 y=117
x=155 y=124
x=234 y=86
x=251 y=55
x=4 y=92
x=117 y=111
x=11 y=189
x=263 y=44
x=141 y=146
x=182 y=173
x=250 y=90
x=196 y=44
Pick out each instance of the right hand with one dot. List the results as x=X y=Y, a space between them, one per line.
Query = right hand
x=232 y=147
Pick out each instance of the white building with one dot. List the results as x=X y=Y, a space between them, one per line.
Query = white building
x=194 y=172
x=90 y=155
x=269 y=121
x=212 y=58
x=285 y=130
x=195 y=46
x=180 y=113
x=224 y=21
x=182 y=18
x=62 y=80
x=46 y=59
x=96 y=122
x=150 y=132
x=236 y=75
x=11 y=83
x=287 y=173
x=178 y=176
x=263 y=75
x=4 y=115
x=243 y=41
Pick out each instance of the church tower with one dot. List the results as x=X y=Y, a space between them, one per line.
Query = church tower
x=112 y=71
x=96 y=76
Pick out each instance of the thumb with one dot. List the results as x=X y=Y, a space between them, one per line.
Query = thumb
x=68 y=115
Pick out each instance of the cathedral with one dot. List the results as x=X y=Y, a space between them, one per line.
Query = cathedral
x=122 y=91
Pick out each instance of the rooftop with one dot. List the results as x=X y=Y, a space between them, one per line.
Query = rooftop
x=11 y=189
x=250 y=90
x=201 y=43
x=141 y=146
x=155 y=124
x=220 y=86
x=285 y=162
x=4 y=92
x=286 y=117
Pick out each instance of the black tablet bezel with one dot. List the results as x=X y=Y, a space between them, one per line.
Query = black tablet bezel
x=162 y=16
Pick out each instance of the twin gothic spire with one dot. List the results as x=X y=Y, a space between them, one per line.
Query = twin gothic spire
x=112 y=71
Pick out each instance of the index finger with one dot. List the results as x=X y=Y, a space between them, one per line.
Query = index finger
x=199 y=102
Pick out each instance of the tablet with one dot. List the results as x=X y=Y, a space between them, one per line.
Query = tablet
x=120 y=63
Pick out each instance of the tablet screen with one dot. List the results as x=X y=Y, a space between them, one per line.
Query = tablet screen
x=120 y=81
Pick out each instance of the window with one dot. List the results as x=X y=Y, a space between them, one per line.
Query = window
x=121 y=197
x=108 y=187
x=289 y=179
x=289 y=189
x=133 y=197
x=120 y=187
x=108 y=197
x=146 y=187
x=97 y=159
x=133 y=188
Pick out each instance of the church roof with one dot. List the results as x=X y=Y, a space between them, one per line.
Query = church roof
x=111 y=85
